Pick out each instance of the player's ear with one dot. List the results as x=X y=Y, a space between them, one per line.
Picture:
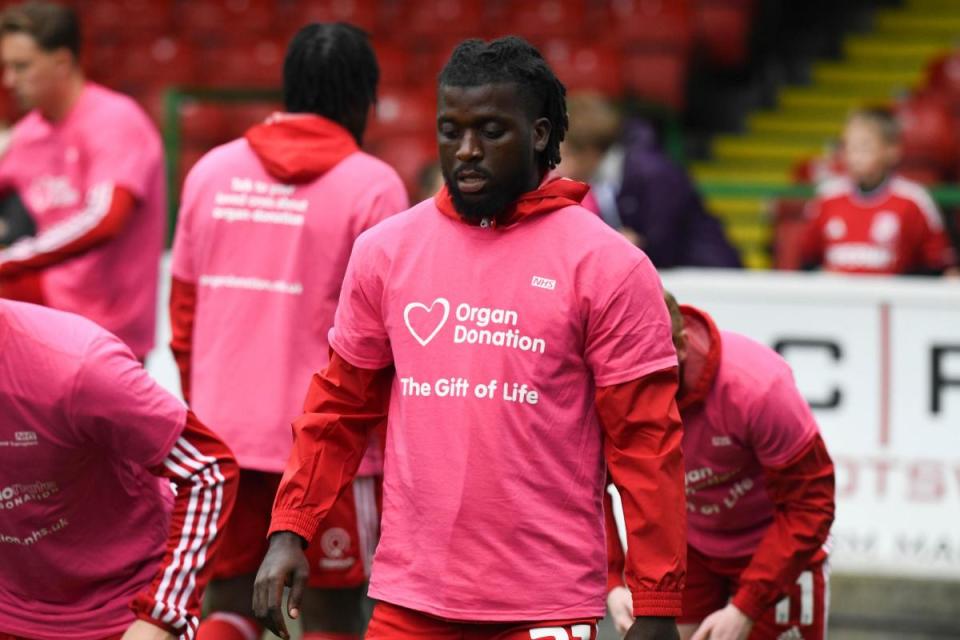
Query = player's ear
x=541 y=134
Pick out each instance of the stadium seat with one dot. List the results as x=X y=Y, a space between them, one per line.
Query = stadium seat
x=256 y=64
x=789 y=223
x=203 y=124
x=164 y=60
x=722 y=29
x=201 y=19
x=401 y=112
x=449 y=19
x=645 y=24
x=396 y=64
x=128 y=18
x=929 y=132
x=585 y=67
x=657 y=76
x=408 y=154
x=243 y=115
x=540 y=20
x=943 y=78
x=366 y=14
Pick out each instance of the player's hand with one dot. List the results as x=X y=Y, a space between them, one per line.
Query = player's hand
x=728 y=623
x=653 y=628
x=284 y=565
x=143 y=630
x=620 y=606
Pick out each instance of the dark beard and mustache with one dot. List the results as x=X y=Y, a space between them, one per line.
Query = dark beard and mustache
x=493 y=203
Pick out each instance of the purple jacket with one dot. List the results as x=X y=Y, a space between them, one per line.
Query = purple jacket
x=657 y=200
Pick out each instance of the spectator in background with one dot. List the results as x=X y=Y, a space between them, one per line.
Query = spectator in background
x=88 y=164
x=245 y=350
x=639 y=190
x=872 y=220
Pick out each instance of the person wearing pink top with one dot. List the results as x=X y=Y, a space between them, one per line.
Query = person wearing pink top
x=93 y=542
x=514 y=343
x=266 y=226
x=88 y=165
x=760 y=493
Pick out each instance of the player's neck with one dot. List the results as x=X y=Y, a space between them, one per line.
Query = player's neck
x=71 y=94
x=870 y=187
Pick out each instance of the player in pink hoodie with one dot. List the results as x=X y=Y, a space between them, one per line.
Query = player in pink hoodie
x=760 y=493
x=266 y=226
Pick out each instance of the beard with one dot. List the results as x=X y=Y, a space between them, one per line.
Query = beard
x=492 y=203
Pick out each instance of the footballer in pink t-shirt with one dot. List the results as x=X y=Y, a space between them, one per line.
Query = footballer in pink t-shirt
x=515 y=344
x=88 y=164
x=266 y=227
x=89 y=447
x=760 y=492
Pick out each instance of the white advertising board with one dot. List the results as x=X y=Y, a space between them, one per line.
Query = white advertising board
x=879 y=361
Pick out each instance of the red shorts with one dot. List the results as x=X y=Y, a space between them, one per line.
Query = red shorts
x=390 y=622
x=339 y=555
x=800 y=614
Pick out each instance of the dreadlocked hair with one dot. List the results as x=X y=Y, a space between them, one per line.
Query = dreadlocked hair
x=330 y=70
x=513 y=60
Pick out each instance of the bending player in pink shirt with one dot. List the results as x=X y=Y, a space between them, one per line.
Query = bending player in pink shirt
x=89 y=448
x=760 y=493
x=88 y=165
x=519 y=342
x=265 y=230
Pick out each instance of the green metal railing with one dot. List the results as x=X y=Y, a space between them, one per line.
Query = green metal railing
x=173 y=100
x=945 y=195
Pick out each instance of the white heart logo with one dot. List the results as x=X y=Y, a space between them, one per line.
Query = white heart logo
x=429 y=310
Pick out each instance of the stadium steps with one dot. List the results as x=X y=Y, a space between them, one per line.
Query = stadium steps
x=875 y=68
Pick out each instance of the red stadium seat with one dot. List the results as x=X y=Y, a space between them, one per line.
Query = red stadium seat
x=201 y=19
x=203 y=124
x=365 y=14
x=929 y=132
x=540 y=20
x=160 y=61
x=404 y=112
x=585 y=67
x=723 y=30
x=789 y=223
x=645 y=24
x=126 y=18
x=407 y=154
x=455 y=19
x=256 y=64
x=242 y=116
x=943 y=78
x=657 y=76
x=396 y=64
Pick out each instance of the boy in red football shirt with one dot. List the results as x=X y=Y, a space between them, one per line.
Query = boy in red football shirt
x=872 y=220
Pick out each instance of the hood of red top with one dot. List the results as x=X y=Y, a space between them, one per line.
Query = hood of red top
x=703 y=356
x=552 y=194
x=295 y=147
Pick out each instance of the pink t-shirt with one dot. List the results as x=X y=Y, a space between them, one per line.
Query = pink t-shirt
x=62 y=170
x=753 y=416
x=494 y=470
x=268 y=260
x=83 y=525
